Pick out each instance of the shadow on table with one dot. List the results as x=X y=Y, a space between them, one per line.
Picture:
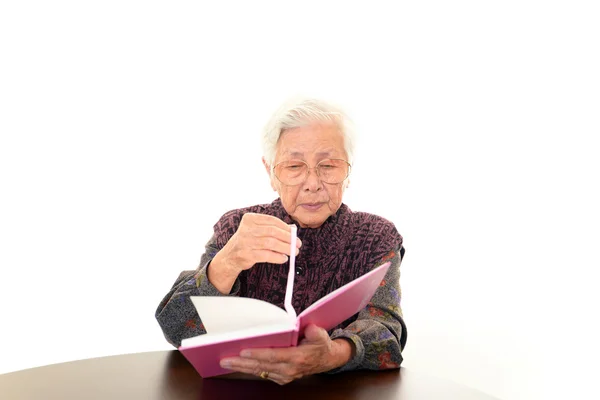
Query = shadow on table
x=181 y=381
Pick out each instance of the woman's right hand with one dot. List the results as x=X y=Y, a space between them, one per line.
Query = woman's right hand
x=259 y=238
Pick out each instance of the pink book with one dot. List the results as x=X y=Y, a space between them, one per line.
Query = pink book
x=236 y=323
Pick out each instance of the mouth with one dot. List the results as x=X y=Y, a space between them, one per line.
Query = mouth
x=312 y=206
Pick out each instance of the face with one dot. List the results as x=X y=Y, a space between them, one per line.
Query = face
x=312 y=202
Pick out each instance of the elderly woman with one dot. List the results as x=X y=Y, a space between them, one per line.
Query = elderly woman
x=308 y=150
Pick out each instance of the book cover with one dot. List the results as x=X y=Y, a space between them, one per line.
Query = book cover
x=235 y=323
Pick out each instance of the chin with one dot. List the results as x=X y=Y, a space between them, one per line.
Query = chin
x=312 y=221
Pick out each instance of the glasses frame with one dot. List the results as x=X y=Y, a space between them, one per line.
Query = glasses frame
x=309 y=168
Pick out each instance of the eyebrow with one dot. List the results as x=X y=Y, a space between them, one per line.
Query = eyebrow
x=300 y=154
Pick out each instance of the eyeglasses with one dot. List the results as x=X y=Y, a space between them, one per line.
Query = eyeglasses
x=295 y=172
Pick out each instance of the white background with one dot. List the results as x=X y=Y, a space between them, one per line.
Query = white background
x=128 y=128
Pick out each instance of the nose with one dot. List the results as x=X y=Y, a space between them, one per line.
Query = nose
x=313 y=182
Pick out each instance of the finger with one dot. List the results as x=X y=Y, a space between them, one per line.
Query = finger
x=268 y=243
x=264 y=219
x=272 y=231
x=273 y=376
x=240 y=364
x=275 y=226
x=270 y=356
x=314 y=334
x=253 y=367
x=271 y=244
x=248 y=365
x=279 y=379
x=268 y=256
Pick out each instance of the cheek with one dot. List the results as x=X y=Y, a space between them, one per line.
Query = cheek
x=289 y=195
x=335 y=194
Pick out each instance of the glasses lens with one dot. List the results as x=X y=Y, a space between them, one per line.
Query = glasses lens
x=291 y=172
x=333 y=171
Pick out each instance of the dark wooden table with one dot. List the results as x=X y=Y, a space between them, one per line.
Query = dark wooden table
x=167 y=375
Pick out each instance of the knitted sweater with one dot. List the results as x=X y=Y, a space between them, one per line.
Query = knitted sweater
x=346 y=246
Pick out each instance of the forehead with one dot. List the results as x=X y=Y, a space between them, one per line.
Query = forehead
x=317 y=140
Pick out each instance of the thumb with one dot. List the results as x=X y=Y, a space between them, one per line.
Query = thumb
x=313 y=333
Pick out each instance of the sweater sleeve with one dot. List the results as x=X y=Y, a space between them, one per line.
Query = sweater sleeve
x=176 y=313
x=379 y=332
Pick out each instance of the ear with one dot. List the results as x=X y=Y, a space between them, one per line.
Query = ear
x=271 y=178
x=346 y=184
x=267 y=166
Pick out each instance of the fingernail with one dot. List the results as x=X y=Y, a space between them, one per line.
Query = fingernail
x=246 y=353
x=225 y=364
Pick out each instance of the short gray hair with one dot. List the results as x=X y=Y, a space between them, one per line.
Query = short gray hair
x=302 y=111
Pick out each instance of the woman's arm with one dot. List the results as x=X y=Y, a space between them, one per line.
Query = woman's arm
x=258 y=238
x=176 y=313
x=379 y=332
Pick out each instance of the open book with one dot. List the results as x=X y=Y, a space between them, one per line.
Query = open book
x=236 y=323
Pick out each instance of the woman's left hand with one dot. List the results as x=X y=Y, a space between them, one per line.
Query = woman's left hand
x=316 y=353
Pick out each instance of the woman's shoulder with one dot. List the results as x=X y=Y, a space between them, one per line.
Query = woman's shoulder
x=366 y=220
x=373 y=228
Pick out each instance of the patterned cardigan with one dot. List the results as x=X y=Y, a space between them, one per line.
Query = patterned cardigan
x=346 y=246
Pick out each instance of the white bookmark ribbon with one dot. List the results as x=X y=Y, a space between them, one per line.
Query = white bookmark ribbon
x=291 y=274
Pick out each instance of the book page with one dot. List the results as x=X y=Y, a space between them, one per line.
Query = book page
x=289 y=307
x=248 y=333
x=231 y=313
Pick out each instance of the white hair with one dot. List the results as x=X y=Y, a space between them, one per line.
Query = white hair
x=302 y=111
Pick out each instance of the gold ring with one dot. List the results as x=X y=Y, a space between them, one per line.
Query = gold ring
x=264 y=375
